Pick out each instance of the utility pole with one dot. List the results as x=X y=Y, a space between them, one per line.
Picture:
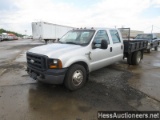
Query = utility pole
x=152 y=29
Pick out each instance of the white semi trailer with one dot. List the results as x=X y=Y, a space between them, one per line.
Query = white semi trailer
x=48 y=31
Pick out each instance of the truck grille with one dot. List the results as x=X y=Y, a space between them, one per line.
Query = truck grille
x=36 y=61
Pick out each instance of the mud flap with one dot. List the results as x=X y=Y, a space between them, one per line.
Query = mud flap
x=129 y=59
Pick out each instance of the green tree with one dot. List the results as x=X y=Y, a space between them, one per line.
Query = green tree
x=6 y=31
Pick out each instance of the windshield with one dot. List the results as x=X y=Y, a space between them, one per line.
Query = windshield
x=78 y=37
x=144 y=36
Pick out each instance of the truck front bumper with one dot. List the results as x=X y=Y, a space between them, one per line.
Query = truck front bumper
x=51 y=76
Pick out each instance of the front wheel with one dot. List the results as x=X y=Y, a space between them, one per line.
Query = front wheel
x=137 y=56
x=76 y=77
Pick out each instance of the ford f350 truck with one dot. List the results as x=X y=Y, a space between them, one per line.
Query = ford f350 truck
x=80 y=52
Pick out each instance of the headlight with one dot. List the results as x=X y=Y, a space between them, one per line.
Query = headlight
x=55 y=63
x=149 y=43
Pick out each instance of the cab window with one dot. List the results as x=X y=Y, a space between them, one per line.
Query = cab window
x=115 y=36
x=101 y=35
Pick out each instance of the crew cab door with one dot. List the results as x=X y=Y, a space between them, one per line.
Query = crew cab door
x=100 y=57
x=117 y=46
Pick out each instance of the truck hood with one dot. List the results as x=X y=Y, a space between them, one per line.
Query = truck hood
x=55 y=49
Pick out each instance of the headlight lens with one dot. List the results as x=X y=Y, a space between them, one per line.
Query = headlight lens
x=55 y=63
x=149 y=43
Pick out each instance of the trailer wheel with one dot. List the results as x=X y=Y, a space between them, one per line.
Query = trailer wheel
x=76 y=77
x=156 y=48
x=46 y=41
x=137 y=57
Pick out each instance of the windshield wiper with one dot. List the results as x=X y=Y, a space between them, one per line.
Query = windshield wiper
x=72 y=43
x=60 y=42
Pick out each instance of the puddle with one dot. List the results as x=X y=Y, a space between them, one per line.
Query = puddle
x=146 y=104
x=156 y=64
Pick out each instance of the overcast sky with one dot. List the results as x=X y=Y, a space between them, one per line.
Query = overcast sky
x=17 y=15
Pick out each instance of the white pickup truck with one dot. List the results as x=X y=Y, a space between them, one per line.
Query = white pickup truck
x=80 y=52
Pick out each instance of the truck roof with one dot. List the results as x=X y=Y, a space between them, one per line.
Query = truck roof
x=97 y=28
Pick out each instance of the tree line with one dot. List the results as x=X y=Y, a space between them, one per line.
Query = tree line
x=7 y=31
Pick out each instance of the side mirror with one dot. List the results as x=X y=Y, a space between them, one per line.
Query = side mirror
x=104 y=44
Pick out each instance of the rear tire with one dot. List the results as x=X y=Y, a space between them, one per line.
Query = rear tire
x=76 y=77
x=137 y=57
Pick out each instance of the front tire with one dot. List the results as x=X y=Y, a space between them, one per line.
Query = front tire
x=137 y=57
x=76 y=77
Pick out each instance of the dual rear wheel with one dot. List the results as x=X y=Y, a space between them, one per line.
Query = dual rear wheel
x=135 y=58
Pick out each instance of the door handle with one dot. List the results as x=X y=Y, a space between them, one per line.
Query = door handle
x=122 y=47
x=110 y=49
